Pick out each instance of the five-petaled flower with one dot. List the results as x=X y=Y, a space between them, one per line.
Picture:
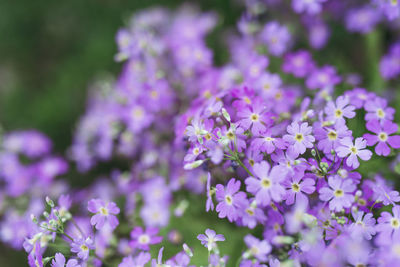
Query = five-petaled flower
x=104 y=213
x=210 y=238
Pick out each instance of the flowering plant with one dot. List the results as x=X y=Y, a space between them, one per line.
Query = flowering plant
x=272 y=148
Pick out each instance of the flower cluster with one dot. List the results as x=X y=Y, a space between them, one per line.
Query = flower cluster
x=292 y=156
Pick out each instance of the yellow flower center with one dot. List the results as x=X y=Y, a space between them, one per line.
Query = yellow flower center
x=338 y=193
x=383 y=136
x=362 y=202
x=338 y=113
x=295 y=187
x=332 y=135
x=299 y=137
x=254 y=117
x=250 y=212
x=103 y=211
x=266 y=183
x=228 y=200
x=353 y=150
x=395 y=223
x=154 y=94
x=230 y=135
x=380 y=113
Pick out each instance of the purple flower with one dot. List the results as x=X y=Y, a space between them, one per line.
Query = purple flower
x=339 y=193
x=323 y=77
x=35 y=258
x=155 y=214
x=310 y=7
x=266 y=185
x=299 y=63
x=362 y=20
x=82 y=247
x=258 y=249
x=382 y=136
x=268 y=84
x=254 y=118
x=210 y=238
x=276 y=37
x=318 y=33
x=388 y=225
x=329 y=138
x=59 y=261
x=358 y=96
x=266 y=143
x=385 y=194
x=341 y=110
x=196 y=130
x=299 y=137
x=230 y=200
x=233 y=137
x=104 y=213
x=377 y=109
x=389 y=65
x=252 y=214
x=143 y=239
x=353 y=151
x=140 y=260
x=363 y=224
x=391 y=8
x=297 y=187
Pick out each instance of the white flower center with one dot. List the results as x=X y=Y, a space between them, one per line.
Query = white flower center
x=144 y=239
x=383 y=136
x=394 y=223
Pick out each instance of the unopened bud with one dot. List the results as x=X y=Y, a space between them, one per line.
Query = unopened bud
x=56 y=212
x=226 y=114
x=49 y=202
x=313 y=152
x=34 y=219
x=193 y=165
x=187 y=250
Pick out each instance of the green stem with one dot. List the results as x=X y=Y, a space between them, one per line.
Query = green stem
x=373 y=47
x=68 y=236
x=238 y=261
x=243 y=166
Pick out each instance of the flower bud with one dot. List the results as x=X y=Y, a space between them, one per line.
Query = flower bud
x=34 y=219
x=193 y=165
x=226 y=114
x=49 y=202
x=187 y=250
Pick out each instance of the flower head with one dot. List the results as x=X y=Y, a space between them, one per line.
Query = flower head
x=82 y=247
x=210 y=238
x=299 y=137
x=382 y=136
x=231 y=201
x=104 y=213
x=353 y=151
x=266 y=183
x=142 y=239
x=338 y=193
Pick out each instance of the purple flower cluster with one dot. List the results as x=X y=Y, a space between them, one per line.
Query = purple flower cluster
x=286 y=148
